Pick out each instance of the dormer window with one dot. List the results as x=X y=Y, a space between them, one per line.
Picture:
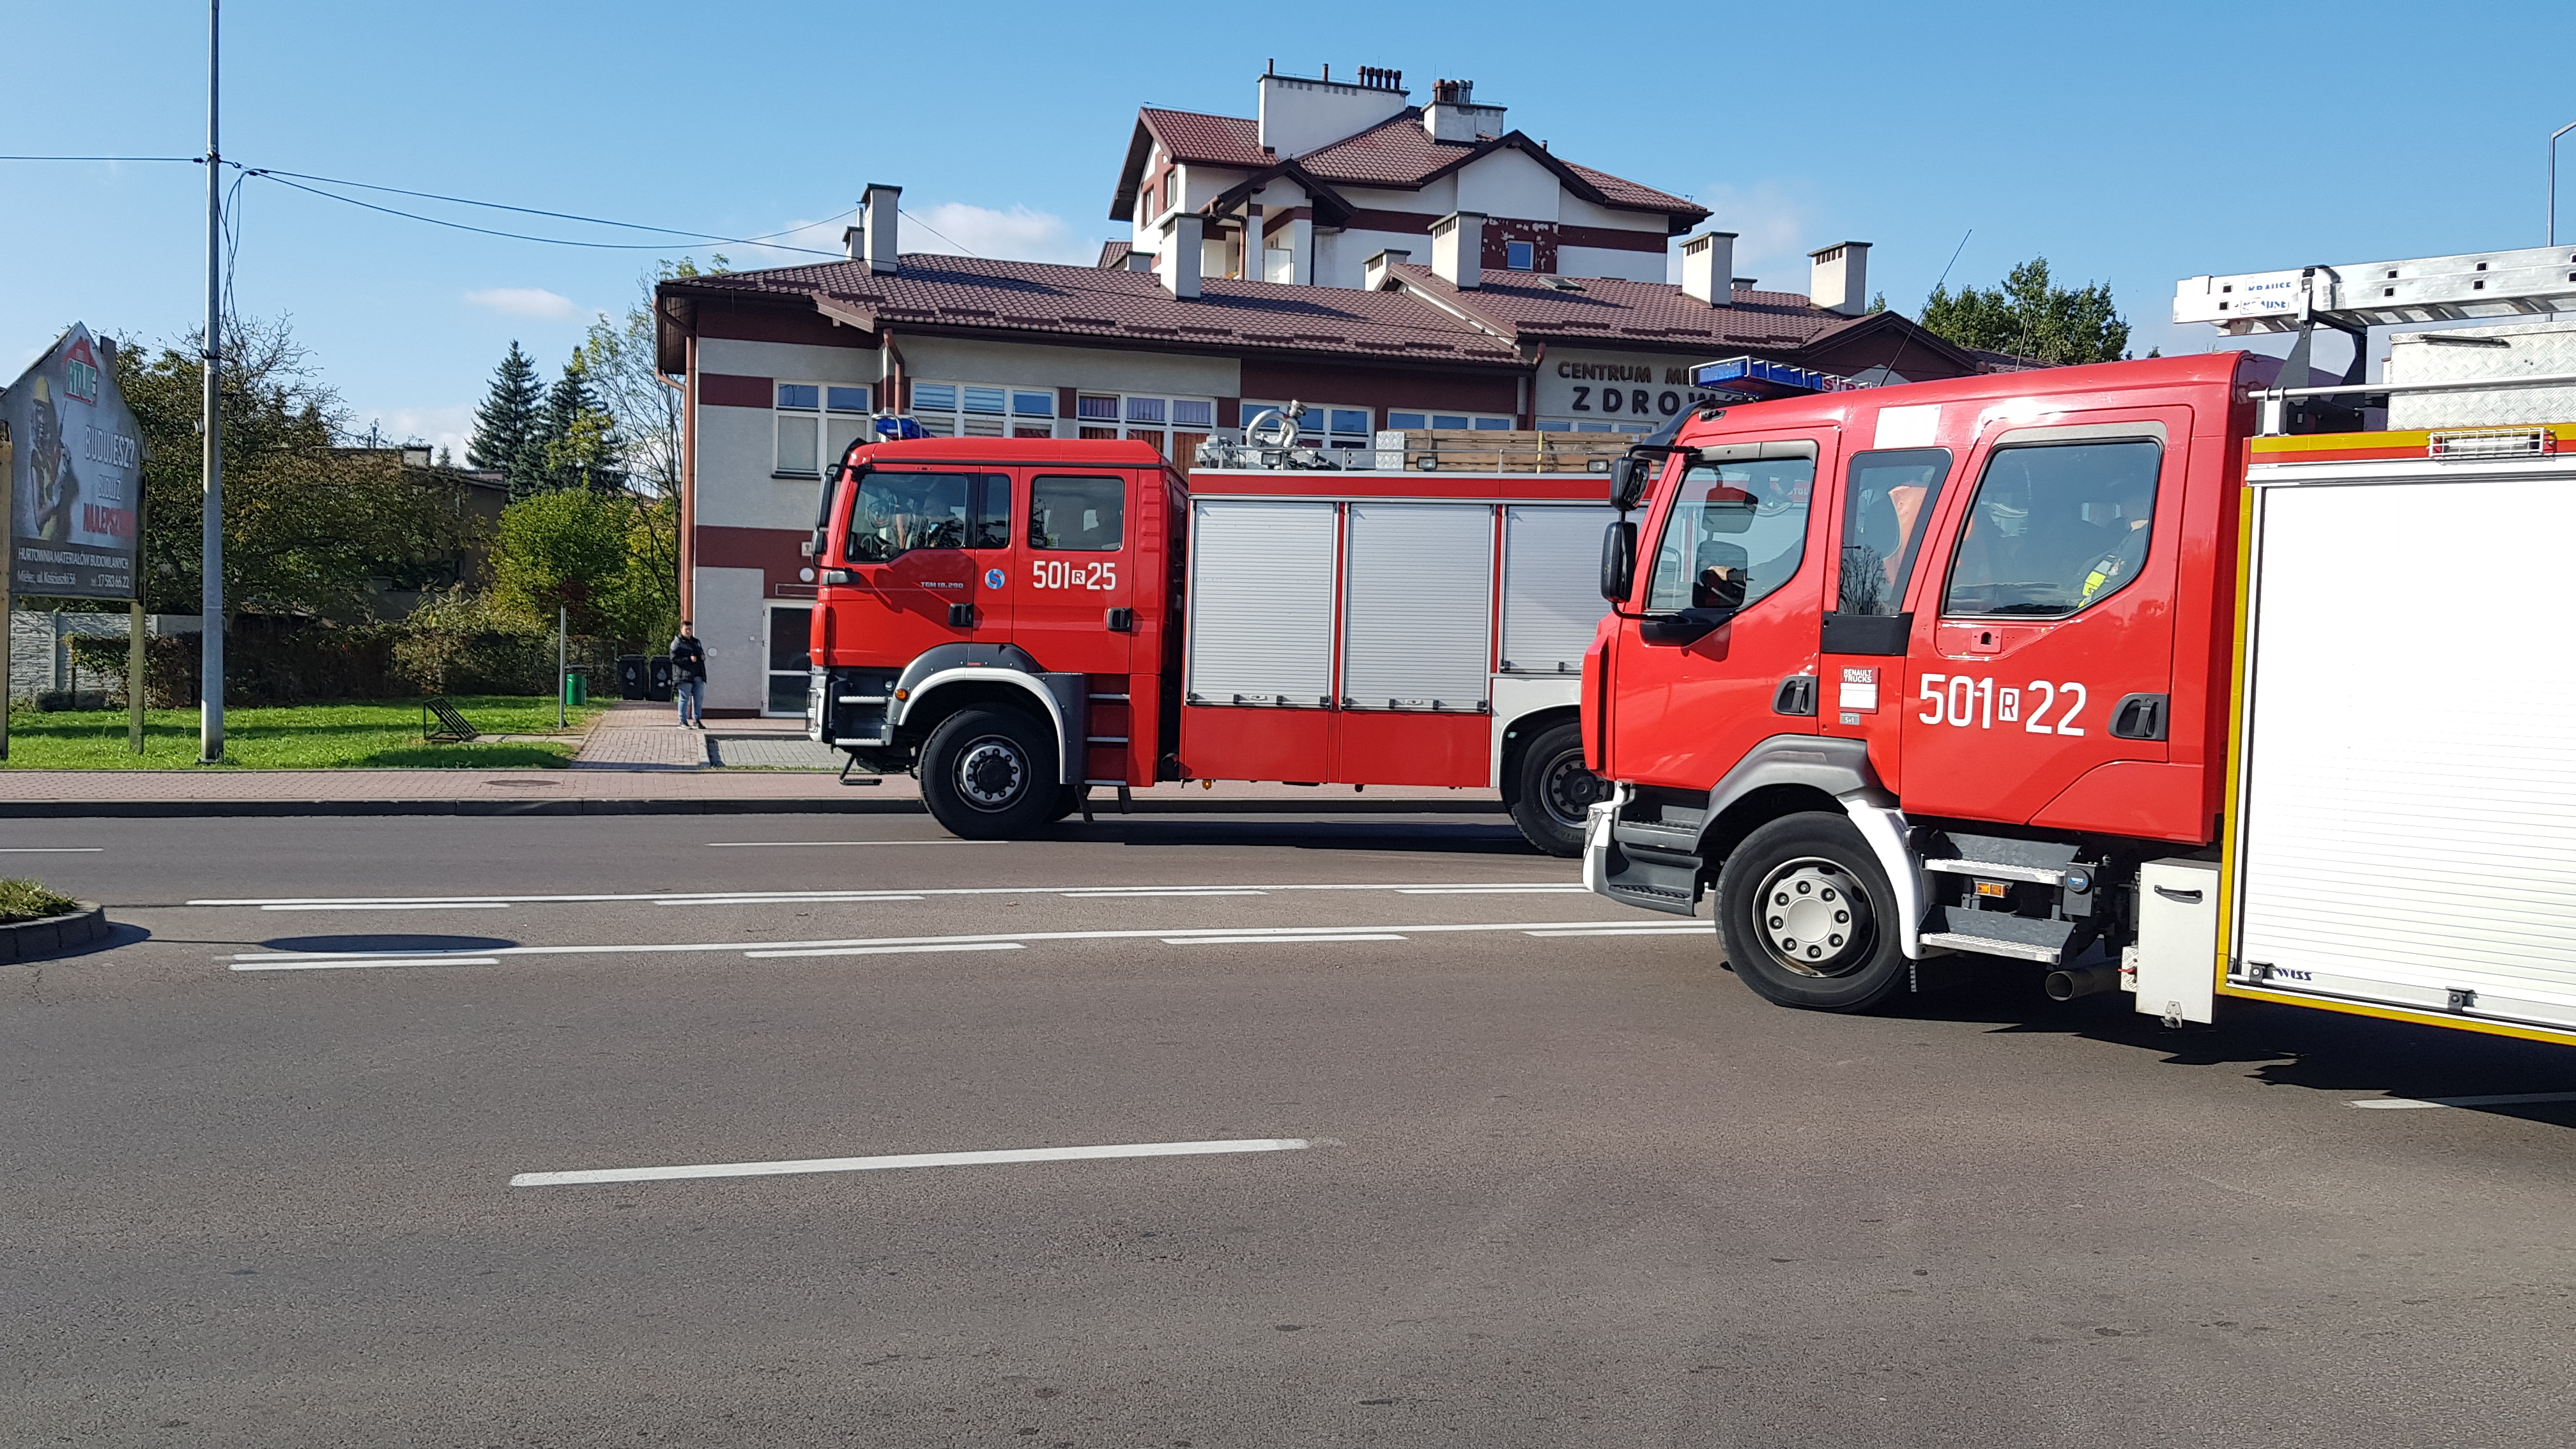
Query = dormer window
x=1520 y=256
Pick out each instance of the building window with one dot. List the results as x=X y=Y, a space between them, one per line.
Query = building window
x=1326 y=425
x=1481 y=422
x=817 y=422
x=1174 y=425
x=1586 y=425
x=983 y=410
x=1520 y=256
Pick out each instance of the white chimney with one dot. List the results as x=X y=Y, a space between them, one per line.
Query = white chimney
x=876 y=228
x=1177 y=263
x=1839 y=281
x=1373 y=272
x=1708 y=268
x=1458 y=248
x=1453 y=114
x=1299 y=115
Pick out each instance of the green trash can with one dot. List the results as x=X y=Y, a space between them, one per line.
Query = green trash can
x=576 y=688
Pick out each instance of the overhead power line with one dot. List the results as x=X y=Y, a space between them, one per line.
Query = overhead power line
x=191 y=160
x=695 y=238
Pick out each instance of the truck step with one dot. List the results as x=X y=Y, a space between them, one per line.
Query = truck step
x=1988 y=945
x=1998 y=870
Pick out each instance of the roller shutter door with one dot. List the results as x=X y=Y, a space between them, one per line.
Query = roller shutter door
x=1417 y=629
x=2410 y=807
x=1261 y=602
x=1551 y=587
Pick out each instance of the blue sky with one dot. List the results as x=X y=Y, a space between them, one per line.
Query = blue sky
x=2138 y=144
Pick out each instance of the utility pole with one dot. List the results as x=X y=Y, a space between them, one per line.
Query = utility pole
x=563 y=683
x=2553 y=181
x=210 y=624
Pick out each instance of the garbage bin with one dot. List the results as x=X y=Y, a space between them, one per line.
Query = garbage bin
x=657 y=676
x=634 y=677
x=576 y=688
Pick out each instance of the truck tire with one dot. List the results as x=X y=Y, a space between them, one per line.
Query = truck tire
x=1807 y=916
x=1552 y=791
x=989 y=774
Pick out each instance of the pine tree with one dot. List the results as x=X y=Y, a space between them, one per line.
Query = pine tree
x=508 y=418
x=576 y=443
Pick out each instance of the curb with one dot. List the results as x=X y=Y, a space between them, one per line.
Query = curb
x=52 y=936
x=1101 y=810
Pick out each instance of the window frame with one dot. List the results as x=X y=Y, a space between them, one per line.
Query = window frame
x=1751 y=452
x=1122 y=426
x=978 y=512
x=1526 y=250
x=1117 y=482
x=1014 y=420
x=821 y=413
x=1924 y=516
x=2030 y=439
x=1439 y=421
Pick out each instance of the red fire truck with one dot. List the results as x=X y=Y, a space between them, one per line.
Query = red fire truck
x=2161 y=675
x=1021 y=622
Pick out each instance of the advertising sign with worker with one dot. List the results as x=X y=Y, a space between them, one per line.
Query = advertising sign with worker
x=75 y=463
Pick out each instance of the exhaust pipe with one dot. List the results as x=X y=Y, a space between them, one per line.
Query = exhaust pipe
x=2071 y=982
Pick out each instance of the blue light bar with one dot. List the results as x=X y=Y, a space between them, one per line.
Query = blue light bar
x=898 y=427
x=1755 y=379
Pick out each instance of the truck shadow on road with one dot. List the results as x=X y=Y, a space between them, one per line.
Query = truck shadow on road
x=2321 y=1051
x=1445 y=838
x=346 y=945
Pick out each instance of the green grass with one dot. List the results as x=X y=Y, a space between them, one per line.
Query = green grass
x=383 y=734
x=25 y=900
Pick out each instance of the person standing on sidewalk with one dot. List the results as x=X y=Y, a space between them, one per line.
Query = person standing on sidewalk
x=689 y=677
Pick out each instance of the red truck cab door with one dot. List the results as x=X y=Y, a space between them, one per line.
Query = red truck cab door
x=1735 y=529
x=1074 y=569
x=2042 y=653
x=925 y=544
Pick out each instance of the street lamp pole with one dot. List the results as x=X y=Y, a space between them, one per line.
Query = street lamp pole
x=210 y=623
x=2553 y=180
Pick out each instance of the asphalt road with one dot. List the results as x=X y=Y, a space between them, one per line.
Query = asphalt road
x=1523 y=1186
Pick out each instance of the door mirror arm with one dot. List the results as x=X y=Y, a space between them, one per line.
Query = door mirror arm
x=1681 y=628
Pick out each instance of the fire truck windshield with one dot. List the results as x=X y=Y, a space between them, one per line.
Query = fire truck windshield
x=895 y=513
x=1735 y=533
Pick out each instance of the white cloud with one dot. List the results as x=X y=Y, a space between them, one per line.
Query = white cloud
x=450 y=427
x=1019 y=234
x=1775 y=227
x=526 y=302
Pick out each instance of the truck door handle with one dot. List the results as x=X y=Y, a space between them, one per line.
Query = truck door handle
x=2139 y=717
x=2188 y=898
x=1122 y=621
x=1796 y=695
x=961 y=616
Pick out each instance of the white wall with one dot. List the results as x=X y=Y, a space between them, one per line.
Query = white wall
x=1507 y=184
x=729 y=619
x=1298 y=116
x=1604 y=262
x=1016 y=365
x=789 y=361
x=736 y=447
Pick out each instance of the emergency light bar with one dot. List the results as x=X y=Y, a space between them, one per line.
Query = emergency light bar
x=1755 y=379
x=890 y=427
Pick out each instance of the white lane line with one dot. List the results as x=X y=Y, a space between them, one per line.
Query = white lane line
x=51 y=849
x=346 y=963
x=761 y=949
x=1490 y=890
x=1179 y=895
x=1630 y=931
x=2401 y=1104
x=910 y=1159
x=862 y=895
x=398 y=906
x=801 y=844
x=1265 y=940
x=897 y=950
x=776 y=900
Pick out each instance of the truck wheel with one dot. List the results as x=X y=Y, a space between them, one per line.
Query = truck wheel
x=1553 y=790
x=989 y=774
x=1807 y=916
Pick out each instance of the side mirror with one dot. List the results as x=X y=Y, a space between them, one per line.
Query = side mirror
x=1629 y=479
x=1618 y=561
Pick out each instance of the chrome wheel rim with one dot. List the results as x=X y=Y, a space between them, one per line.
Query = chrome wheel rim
x=991 y=772
x=1813 y=918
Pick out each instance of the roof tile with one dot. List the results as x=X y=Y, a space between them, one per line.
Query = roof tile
x=1198 y=138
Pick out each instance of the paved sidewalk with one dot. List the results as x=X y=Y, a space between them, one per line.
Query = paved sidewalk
x=639 y=735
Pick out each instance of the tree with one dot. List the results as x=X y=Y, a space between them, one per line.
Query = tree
x=508 y=417
x=560 y=550
x=307 y=525
x=2028 y=316
x=576 y=443
x=618 y=360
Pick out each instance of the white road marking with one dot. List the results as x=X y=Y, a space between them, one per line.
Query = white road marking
x=2400 y=1104
x=51 y=849
x=1147 y=895
x=766 y=844
x=910 y=1159
x=1490 y=890
x=1545 y=887
x=1264 y=940
x=1630 y=931
x=765 y=949
x=346 y=963
x=770 y=900
x=898 y=950
x=398 y=906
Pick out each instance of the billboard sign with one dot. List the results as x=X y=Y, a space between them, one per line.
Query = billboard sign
x=75 y=460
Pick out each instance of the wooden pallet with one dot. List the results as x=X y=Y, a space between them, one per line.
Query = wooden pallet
x=1464 y=450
